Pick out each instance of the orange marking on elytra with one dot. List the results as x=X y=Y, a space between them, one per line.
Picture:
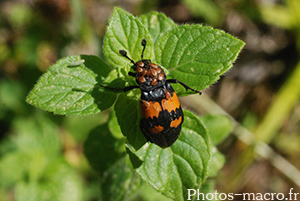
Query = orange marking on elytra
x=150 y=109
x=171 y=104
x=156 y=129
x=176 y=122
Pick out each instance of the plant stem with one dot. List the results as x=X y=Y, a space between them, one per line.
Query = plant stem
x=283 y=103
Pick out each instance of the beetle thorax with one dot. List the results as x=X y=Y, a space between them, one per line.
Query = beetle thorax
x=149 y=75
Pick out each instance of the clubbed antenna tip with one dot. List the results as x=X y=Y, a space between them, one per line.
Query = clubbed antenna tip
x=144 y=42
x=124 y=54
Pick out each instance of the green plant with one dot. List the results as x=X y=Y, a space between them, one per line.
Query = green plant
x=194 y=54
x=206 y=9
x=286 y=16
x=32 y=166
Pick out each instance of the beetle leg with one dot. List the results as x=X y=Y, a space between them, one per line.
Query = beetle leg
x=184 y=85
x=125 y=89
x=132 y=74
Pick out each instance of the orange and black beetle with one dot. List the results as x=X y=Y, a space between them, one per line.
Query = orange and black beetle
x=162 y=115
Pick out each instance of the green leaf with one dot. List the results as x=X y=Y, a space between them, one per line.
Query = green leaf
x=12 y=94
x=59 y=182
x=120 y=182
x=182 y=166
x=12 y=168
x=128 y=115
x=114 y=126
x=207 y=188
x=148 y=193
x=216 y=163
x=125 y=32
x=197 y=55
x=33 y=166
x=34 y=136
x=102 y=146
x=118 y=78
x=80 y=127
x=157 y=24
x=218 y=126
x=106 y=154
x=33 y=145
x=68 y=87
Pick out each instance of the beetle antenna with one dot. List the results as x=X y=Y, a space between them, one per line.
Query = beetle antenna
x=144 y=46
x=124 y=54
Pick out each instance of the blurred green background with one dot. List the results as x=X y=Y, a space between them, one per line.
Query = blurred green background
x=41 y=155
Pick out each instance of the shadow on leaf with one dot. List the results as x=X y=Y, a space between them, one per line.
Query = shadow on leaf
x=102 y=149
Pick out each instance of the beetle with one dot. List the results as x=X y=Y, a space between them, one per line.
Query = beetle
x=161 y=112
